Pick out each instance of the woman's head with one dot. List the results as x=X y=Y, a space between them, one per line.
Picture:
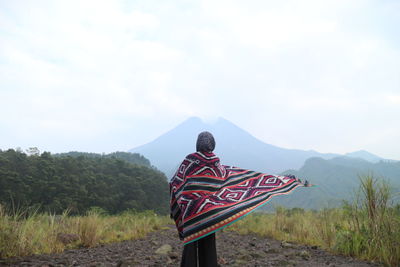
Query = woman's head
x=205 y=142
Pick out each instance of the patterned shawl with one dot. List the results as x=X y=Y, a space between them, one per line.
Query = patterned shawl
x=207 y=196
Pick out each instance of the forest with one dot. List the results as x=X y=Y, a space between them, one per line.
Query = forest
x=79 y=182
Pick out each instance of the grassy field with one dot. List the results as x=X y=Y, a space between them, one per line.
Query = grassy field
x=22 y=234
x=367 y=229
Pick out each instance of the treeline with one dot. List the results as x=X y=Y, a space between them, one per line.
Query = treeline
x=134 y=158
x=80 y=181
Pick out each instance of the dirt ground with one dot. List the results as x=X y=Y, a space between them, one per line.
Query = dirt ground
x=163 y=248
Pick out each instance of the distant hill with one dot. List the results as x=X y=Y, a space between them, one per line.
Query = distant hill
x=337 y=179
x=234 y=146
x=362 y=154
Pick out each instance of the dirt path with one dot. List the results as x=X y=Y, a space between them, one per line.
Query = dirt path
x=233 y=250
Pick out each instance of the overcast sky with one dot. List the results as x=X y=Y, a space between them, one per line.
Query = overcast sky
x=103 y=76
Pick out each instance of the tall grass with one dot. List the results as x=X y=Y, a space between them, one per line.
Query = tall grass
x=374 y=224
x=307 y=227
x=23 y=233
x=368 y=228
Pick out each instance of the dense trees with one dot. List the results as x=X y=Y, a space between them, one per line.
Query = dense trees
x=79 y=181
x=129 y=157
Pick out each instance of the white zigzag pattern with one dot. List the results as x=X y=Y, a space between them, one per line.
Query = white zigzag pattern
x=269 y=180
x=205 y=168
x=232 y=195
x=208 y=201
x=245 y=184
x=187 y=204
x=204 y=156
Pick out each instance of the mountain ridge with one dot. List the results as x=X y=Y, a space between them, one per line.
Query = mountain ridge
x=363 y=154
x=337 y=179
x=336 y=176
x=234 y=146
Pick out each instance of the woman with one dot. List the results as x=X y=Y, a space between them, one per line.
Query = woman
x=207 y=196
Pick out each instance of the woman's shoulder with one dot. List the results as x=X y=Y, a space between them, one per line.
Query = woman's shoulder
x=203 y=156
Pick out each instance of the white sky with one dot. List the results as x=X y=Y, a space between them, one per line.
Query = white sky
x=103 y=76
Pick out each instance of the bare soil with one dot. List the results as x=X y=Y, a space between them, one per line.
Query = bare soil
x=163 y=248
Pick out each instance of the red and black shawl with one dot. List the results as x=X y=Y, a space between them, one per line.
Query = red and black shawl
x=207 y=196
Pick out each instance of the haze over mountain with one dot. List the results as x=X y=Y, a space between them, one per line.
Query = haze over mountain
x=362 y=154
x=337 y=179
x=234 y=146
x=336 y=176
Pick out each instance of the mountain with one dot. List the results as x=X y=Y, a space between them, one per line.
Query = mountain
x=362 y=154
x=234 y=146
x=336 y=179
x=336 y=176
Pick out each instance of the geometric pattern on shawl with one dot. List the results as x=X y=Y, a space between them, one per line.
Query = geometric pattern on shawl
x=207 y=196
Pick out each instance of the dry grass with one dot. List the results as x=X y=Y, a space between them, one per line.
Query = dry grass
x=24 y=234
x=305 y=227
x=368 y=229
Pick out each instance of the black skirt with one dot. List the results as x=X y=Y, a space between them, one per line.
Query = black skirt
x=200 y=253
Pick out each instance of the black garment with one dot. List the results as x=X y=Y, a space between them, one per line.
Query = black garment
x=202 y=253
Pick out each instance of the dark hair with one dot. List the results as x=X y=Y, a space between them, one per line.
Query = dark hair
x=205 y=142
